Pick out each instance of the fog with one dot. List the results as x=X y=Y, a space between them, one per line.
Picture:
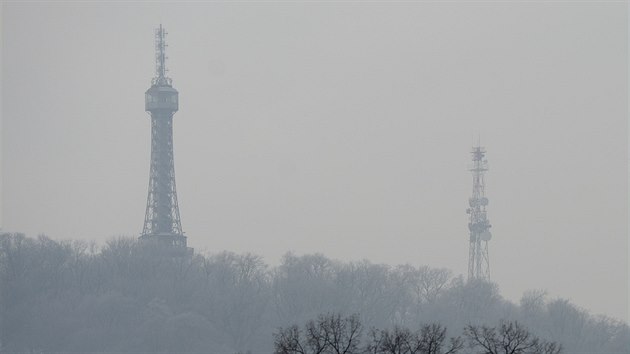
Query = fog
x=335 y=127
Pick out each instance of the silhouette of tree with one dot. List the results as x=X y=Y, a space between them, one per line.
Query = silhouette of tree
x=430 y=339
x=328 y=334
x=510 y=338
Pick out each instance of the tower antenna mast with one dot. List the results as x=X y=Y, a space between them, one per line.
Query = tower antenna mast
x=160 y=58
x=479 y=225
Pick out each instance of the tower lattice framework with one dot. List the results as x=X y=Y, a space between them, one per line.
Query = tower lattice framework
x=479 y=225
x=162 y=222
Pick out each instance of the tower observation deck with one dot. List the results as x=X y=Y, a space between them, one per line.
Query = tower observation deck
x=479 y=225
x=161 y=221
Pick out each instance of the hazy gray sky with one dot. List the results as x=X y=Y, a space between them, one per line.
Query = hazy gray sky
x=336 y=127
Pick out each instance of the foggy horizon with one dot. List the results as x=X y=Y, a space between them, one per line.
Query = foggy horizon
x=336 y=128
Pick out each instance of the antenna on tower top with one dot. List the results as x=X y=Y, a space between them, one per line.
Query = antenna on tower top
x=160 y=58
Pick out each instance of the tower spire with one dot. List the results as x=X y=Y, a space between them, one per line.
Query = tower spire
x=479 y=225
x=160 y=58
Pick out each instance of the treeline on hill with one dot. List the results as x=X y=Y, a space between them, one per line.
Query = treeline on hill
x=71 y=296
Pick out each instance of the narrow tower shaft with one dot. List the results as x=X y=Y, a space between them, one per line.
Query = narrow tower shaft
x=161 y=222
x=479 y=225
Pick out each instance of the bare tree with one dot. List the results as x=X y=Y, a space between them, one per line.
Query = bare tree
x=430 y=339
x=237 y=301
x=396 y=341
x=510 y=338
x=304 y=287
x=328 y=334
x=288 y=340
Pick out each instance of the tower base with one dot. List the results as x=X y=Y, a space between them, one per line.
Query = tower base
x=174 y=243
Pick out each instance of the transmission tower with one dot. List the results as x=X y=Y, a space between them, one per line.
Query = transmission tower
x=479 y=225
x=161 y=221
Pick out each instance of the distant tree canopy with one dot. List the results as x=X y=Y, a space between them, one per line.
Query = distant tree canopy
x=124 y=296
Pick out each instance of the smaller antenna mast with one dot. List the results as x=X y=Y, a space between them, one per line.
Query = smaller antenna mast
x=160 y=58
x=479 y=225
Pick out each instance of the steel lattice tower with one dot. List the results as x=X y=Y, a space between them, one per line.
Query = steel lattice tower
x=479 y=226
x=161 y=221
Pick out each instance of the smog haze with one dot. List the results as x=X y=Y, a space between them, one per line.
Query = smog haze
x=342 y=128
